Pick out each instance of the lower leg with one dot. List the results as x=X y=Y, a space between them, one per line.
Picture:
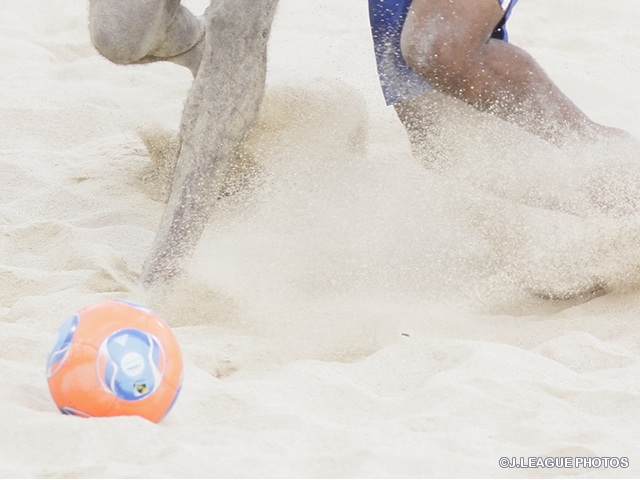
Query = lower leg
x=222 y=105
x=422 y=119
x=506 y=81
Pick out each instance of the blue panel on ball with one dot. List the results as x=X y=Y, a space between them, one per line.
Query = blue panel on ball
x=75 y=412
x=131 y=364
x=60 y=350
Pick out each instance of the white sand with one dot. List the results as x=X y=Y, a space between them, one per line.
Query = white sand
x=351 y=315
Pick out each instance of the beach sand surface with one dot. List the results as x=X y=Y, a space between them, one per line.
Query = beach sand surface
x=348 y=312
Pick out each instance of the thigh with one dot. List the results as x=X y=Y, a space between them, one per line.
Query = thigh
x=464 y=24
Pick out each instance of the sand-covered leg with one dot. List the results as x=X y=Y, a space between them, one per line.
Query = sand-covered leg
x=141 y=31
x=222 y=105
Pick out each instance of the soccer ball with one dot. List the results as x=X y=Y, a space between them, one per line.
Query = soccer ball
x=115 y=358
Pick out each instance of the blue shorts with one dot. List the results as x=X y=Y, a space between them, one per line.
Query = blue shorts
x=398 y=81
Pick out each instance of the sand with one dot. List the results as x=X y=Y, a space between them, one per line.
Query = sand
x=348 y=313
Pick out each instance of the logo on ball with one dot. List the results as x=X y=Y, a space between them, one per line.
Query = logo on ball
x=131 y=364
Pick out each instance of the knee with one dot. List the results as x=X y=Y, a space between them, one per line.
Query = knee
x=434 y=53
x=116 y=37
x=122 y=31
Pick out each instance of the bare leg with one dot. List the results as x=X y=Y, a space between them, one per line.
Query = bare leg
x=141 y=31
x=421 y=117
x=222 y=105
x=448 y=43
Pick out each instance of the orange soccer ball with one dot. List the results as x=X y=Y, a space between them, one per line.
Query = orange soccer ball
x=115 y=358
